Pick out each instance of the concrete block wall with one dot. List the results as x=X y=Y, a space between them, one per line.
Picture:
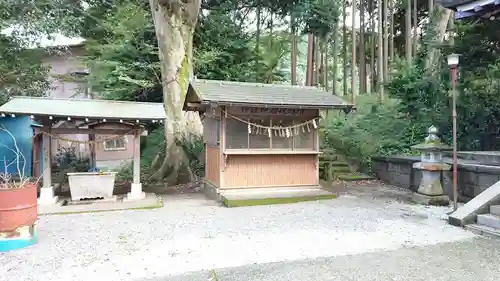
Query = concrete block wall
x=472 y=178
x=397 y=171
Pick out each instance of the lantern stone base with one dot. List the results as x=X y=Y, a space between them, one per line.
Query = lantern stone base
x=436 y=200
x=430 y=191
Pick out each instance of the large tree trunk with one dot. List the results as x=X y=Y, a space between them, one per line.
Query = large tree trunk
x=362 y=51
x=391 y=31
x=293 y=36
x=415 y=27
x=344 y=48
x=319 y=62
x=440 y=22
x=380 y=59
x=386 y=40
x=451 y=28
x=310 y=59
x=271 y=27
x=335 y=60
x=373 y=46
x=353 y=52
x=316 y=61
x=174 y=24
x=325 y=64
x=257 y=41
x=408 y=43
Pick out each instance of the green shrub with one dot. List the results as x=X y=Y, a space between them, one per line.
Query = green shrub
x=125 y=173
x=153 y=144
x=415 y=100
x=66 y=161
x=374 y=129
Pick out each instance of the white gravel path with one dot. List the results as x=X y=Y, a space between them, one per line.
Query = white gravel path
x=190 y=235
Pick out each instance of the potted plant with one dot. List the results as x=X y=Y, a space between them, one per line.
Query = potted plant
x=18 y=202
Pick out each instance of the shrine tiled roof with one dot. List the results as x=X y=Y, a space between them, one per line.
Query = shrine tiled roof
x=259 y=94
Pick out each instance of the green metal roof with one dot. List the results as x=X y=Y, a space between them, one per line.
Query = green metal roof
x=257 y=94
x=84 y=108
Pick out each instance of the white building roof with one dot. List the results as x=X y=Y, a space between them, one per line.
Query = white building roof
x=84 y=108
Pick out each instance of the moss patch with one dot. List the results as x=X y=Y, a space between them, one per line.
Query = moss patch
x=354 y=177
x=273 y=201
x=328 y=157
x=335 y=163
x=341 y=169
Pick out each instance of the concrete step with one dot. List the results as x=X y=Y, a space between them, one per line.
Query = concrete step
x=489 y=220
x=495 y=210
x=272 y=196
x=467 y=213
x=272 y=193
x=483 y=230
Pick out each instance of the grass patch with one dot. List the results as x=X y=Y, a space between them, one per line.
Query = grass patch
x=273 y=201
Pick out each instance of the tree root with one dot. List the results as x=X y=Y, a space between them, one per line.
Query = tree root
x=155 y=161
x=170 y=173
x=160 y=173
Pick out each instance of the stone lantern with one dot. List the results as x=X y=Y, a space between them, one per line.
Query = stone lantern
x=430 y=190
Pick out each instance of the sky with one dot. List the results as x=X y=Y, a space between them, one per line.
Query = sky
x=44 y=41
x=60 y=40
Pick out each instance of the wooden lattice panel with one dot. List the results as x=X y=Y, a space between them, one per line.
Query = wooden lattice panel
x=270 y=170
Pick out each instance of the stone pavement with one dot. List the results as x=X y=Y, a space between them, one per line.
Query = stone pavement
x=473 y=259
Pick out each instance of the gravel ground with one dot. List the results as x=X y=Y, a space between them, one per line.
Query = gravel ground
x=192 y=234
x=466 y=260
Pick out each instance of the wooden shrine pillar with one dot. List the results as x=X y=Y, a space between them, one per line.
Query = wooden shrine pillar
x=47 y=190
x=136 y=192
x=35 y=156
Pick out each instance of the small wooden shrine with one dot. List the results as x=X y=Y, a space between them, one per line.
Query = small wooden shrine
x=260 y=135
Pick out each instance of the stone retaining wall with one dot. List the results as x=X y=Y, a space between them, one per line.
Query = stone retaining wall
x=472 y=178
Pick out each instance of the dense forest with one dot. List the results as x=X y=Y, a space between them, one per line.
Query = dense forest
x=387 y=57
